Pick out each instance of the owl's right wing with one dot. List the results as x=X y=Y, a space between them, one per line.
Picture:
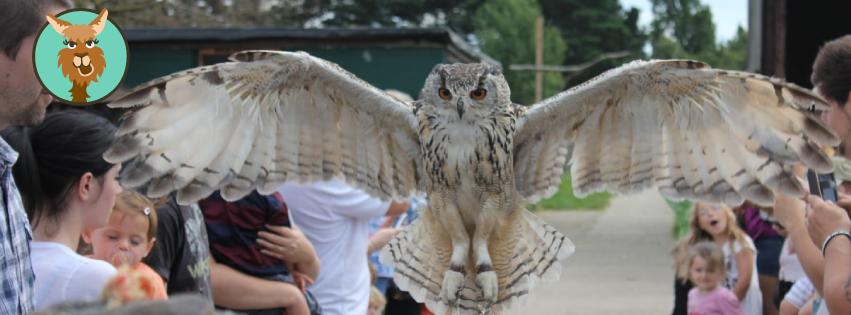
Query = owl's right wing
x=263 y=119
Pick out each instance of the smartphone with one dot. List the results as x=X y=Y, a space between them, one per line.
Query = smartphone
x=400 y=220
x=823 y=185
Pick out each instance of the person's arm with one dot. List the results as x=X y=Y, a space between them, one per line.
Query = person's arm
x=786 y=308
x=790 y=212
x=744 y=263
x=398 y=208
x=235 y=290
x=825 y=219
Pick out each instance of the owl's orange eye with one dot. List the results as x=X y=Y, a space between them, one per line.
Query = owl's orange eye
x=478 y=94
x=444 y=94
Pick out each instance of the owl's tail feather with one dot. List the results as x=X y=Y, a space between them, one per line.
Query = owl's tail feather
x=522 y=254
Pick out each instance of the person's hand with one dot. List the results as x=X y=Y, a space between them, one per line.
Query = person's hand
x=789 y=211
x=382 y=237
x=824 y=218
x=285 y=244
x=294 y=302
x=301 y=281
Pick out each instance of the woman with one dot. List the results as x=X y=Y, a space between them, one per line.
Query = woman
x=66 y=187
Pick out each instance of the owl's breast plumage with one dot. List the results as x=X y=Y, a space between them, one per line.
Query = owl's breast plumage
x=457 y=154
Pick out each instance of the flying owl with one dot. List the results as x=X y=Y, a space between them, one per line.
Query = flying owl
x=269 y=117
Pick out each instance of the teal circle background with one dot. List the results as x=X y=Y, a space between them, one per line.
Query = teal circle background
x=49 y=44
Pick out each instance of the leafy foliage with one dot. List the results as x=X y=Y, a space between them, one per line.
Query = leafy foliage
x=591 y=28
x=683 y=29
x=506 y=31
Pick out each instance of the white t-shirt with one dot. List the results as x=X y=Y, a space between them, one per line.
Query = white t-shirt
x=752 y=303
x=800 y=292
x=334 y=217
x=63 y=275
x=790 y=266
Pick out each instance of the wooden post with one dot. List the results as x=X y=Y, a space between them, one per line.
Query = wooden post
x=539 y=58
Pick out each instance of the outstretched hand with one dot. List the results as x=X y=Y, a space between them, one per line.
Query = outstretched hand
x=824 y=218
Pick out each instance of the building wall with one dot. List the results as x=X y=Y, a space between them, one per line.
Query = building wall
x=404 y=69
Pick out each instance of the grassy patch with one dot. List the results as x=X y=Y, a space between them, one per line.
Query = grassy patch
x=565 y=200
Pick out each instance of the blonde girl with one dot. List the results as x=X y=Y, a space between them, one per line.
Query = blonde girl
x=128 y=237
x=717 y=223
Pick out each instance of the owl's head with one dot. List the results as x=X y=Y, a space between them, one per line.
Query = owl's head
x=466 y=91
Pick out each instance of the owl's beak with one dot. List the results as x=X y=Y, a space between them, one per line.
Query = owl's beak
x=460 y=107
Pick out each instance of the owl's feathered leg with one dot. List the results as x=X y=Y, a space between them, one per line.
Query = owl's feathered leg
x=486 y=220
x=453 y=279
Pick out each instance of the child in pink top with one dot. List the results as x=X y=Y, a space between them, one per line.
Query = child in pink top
x=706 y=270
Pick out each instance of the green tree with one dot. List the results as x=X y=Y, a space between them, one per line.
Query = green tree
x=591 y=28
x=506 y=31
x=683 y=29
x=452 y=13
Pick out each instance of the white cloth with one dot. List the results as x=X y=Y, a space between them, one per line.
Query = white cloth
x=800 y=292
x=752 y=303
x=334 y=217
x=63 y=275
x=790 y=266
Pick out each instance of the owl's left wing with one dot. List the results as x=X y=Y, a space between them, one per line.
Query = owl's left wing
x=692 y=131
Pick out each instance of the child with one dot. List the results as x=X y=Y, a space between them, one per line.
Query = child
x=717 y=223
x=704 y=263
x=128 y=237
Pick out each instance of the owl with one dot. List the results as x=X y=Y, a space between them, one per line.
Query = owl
x=267 y=117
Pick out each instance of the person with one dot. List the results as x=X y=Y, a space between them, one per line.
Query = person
x=128 y=237
x=791 y=270
x=67 y=187
x=180 y=256
x=682 y=285
x=704 y=264
x=768 y=243
x=717 y=223
x=827 y=264
x=22 y=102
x=254 y=236
x=797 y=297
x=334 y=216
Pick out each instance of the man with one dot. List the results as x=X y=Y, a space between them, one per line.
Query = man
x=827 y=264
x=334 y=216
x=22 y=102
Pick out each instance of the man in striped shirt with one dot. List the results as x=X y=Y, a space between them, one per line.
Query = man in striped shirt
x=22 y=102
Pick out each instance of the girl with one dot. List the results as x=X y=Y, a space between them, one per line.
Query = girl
x=128 y=237
x=704 y=263
x=717 y=223
x=66 y=188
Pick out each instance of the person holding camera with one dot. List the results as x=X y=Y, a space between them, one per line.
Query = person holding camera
x=821 y=230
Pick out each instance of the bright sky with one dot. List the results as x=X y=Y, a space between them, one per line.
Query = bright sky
x=726 y=14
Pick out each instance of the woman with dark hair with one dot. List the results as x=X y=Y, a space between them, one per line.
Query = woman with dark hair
x=66 y=187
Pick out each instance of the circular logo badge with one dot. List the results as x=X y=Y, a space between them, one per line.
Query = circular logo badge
x=80 y=56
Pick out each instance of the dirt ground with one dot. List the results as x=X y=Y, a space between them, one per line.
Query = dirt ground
x=621 y=264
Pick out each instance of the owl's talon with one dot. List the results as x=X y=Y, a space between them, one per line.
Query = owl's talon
x=453 y=281
x=488 y=282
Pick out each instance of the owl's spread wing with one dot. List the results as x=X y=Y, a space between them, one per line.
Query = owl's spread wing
x=261 y=120
x=692 y=131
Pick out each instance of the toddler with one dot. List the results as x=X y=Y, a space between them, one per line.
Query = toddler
x=128 y=237
x=705 y=267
